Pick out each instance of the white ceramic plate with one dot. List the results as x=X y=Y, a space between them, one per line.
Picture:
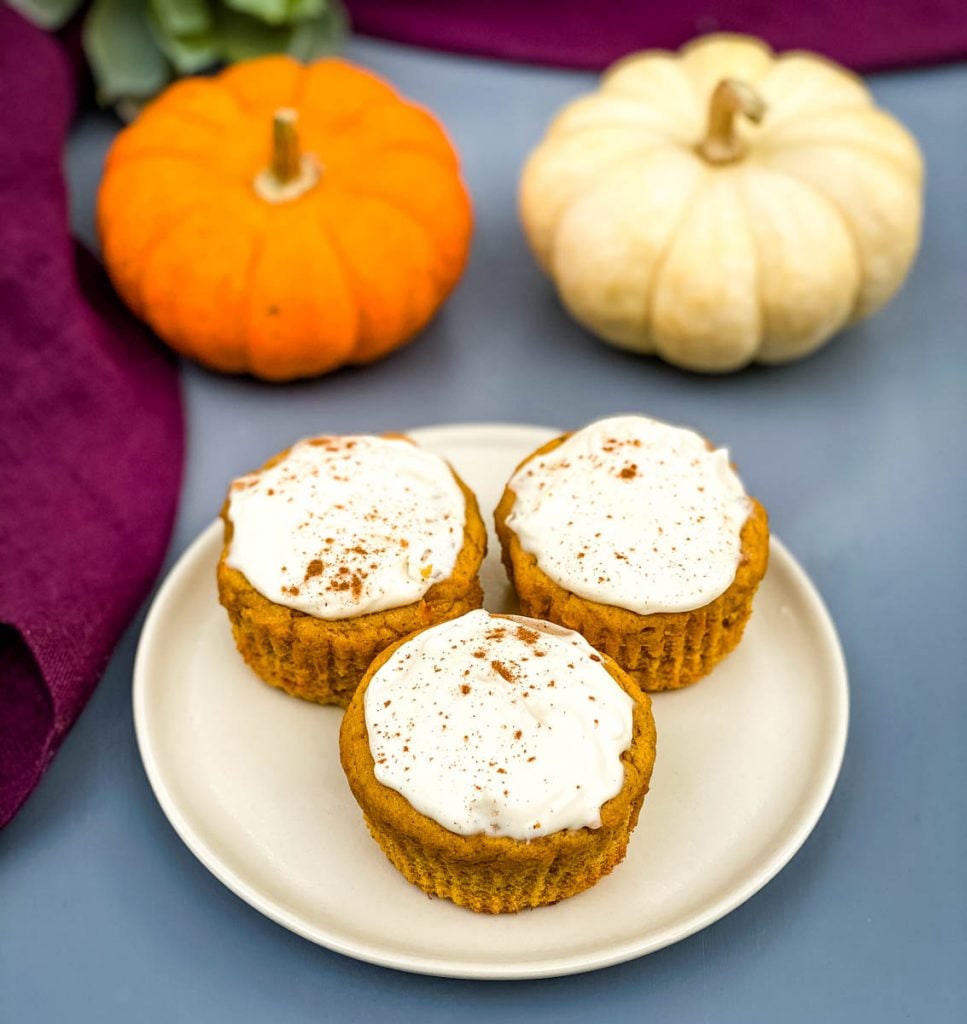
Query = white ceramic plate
x=250 y=778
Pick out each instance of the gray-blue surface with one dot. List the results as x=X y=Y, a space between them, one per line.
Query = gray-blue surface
x=858 y=454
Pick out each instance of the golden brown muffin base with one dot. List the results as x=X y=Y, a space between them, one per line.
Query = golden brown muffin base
x=322 y=660
x=661 y=651
x=497 y=874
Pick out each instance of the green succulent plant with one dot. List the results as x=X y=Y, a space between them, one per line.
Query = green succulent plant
x=135 y=47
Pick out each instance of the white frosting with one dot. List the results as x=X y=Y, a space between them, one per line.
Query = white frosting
x=343 y=526
x=503 y=725
x=633 y=513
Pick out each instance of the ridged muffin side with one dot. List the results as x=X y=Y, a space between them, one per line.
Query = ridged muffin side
x=662 y=650
x=322 y=660
x=497 y=874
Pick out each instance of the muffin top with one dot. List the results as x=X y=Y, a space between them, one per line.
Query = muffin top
x=500 y=725
x=634 y=513
x=343 y=526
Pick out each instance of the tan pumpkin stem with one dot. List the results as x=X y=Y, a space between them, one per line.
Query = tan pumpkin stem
x=722 y=144
x=286 y=158
x=291 y=173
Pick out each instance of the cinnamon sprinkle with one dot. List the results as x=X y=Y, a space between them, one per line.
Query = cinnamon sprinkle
x=504 y=671
x=314 y=568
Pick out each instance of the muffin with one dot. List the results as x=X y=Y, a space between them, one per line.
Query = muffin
x=338 y=547
x=640 y=536
x=500 y=762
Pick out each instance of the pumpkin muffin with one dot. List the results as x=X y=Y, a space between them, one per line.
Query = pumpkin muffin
x=500 y=762
x=640 y=536
x=336 y=548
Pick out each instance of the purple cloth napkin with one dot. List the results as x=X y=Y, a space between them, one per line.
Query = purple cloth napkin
x=91 y=442
x=862 y=34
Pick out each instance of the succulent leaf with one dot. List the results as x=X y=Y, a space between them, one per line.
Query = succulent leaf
x=319 y=36
x=182 y=17
x=49 y=14
x=240 y=36
x=189 y=53
x=122 y=51
x=135 y=47
x=274 y=12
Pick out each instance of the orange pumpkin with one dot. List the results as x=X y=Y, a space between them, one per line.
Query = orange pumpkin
x=250 y=255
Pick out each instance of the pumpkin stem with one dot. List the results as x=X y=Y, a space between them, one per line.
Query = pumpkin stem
x=286 y=158
x=731 y=97
x=290 y=173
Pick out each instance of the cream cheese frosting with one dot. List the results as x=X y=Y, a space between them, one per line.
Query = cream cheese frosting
x=634 y=513
x=344 y=526
x=501 y=725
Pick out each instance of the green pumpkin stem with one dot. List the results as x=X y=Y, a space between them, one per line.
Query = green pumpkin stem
x=731 y=97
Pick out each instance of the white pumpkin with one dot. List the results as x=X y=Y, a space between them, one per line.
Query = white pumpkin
x=724 y=205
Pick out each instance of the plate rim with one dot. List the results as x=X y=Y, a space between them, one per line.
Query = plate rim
x=770 y=866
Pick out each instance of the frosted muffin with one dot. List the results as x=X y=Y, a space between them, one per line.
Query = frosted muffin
x=336 y=548
x=499 y=761
x=640 y=536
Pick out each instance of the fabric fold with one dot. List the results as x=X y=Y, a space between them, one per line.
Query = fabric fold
x=92 y=442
